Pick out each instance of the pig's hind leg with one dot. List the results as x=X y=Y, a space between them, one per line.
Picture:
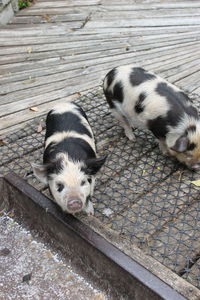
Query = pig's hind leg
x=124 y=123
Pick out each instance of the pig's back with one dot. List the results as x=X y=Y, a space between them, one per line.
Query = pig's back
x=68 y=117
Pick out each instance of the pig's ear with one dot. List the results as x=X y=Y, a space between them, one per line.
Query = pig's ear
x=93 y=165
x=181 y=144
x=40 y=171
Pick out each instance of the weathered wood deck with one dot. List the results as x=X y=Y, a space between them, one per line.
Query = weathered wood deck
x=54 y=49
x=57 y=50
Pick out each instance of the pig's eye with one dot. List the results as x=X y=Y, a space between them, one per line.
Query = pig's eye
x=59 y=187
x=191 y=146
x=89 y=180
x=83 y=182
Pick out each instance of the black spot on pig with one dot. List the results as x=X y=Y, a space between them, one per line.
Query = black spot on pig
x=184 y=96
x=109 y=98
x=178 y=101
x=191 y=128
x=118 y=93
x=158 y=127
x=93 y=165
x=163 y=89
x=111 y=76
x=139 y=104
x=139 y=75
x=76 y=148
x=192 y=111
x=67 y=121
x=173 y=117
x=53 y=165
x=81 y=111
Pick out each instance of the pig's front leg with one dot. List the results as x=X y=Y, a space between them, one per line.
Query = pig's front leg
x=92 y=186
x=89 y=209
x=125 y=124
x=163 y=147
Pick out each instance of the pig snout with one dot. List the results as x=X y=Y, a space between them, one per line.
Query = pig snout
x=74 y=204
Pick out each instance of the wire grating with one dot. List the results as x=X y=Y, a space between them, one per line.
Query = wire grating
x=144 y=196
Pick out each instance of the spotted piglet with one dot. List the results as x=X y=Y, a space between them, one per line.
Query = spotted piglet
x=69 y=161
x=139 y=98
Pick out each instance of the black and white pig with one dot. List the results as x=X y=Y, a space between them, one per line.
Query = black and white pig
x=139 y=98
x=69 y=161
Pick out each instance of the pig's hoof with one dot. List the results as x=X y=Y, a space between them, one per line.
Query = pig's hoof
x=89 y=209
x=163 y=148
x=130 y=135
x=90 y=214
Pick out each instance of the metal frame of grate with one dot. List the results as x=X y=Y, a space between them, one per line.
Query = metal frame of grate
x=146 y=197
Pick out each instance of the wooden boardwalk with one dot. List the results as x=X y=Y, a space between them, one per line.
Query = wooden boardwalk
x=55 y=51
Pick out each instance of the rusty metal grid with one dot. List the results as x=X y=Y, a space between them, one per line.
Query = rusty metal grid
x=145 y=196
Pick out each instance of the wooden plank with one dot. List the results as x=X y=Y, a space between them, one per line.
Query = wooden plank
x=148 y=22
x=53 y=4
x=142 y=30
x=55 y=30
x=87 y=35
x=36 y=30
x=48 y=19
x=56 y=11
x=145 y=14
x=162 y=5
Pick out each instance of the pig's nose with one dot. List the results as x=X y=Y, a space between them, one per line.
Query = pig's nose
x=74 y=204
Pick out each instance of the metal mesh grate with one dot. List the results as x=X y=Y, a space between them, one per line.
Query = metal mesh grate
x=144 y=196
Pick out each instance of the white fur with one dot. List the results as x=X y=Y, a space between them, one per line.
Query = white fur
x=63 y=107
x=71 y=176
